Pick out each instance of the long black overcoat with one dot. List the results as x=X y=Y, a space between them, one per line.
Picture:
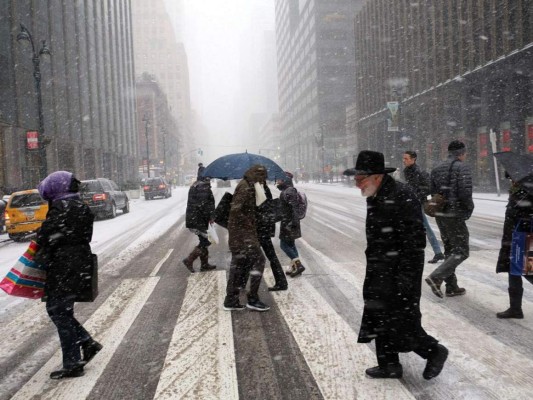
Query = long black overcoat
x=395 y=261
x=290 y=224
x=64 y=239
x=519 y=206
x=200 y=206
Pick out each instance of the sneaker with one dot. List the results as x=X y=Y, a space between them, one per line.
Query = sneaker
x=434 y=284
x=435 y=362
x=510 y=313
x=436 y=258
x=234 y=307
x=257 y=305
x=455 y=292
x=392 y=371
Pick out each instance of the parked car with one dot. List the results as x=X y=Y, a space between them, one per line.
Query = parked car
x=156 y=187
x=25 y=213
x=104 y=197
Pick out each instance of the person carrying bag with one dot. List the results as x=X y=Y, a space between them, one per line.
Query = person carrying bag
x=65 y=252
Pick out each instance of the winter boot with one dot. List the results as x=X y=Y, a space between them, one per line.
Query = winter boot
x=298 y=268
x=515 y=300
x=197 y=251
x=204 y=257
x=290 y=270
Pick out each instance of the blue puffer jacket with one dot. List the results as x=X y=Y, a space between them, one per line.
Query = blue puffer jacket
x=458 y=190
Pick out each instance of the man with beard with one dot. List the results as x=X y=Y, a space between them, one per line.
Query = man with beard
x=395 y=262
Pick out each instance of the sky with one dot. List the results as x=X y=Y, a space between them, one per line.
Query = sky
x=216 y=35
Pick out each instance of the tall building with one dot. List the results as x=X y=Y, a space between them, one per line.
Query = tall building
x=316 y=63
x=456 y=68
x=87 y=88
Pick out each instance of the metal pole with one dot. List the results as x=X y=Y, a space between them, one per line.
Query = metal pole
x=147 y=145
x=492 y=137
x=165 y=152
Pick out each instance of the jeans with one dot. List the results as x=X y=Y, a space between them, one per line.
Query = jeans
x=455 y=236
x=431 y=235
x=289 y=248
x=71 y=333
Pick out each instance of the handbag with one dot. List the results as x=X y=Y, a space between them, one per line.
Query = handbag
x=522 y=249
x=435 y=206
x=212 y=235
x=221 y=213
x=88 y=289
x=26 y=278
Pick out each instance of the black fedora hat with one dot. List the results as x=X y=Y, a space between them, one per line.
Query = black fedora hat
x=369 y=163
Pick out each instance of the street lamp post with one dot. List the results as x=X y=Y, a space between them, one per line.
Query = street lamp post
x=164 y=151
x=25 y=36
x=146 y=121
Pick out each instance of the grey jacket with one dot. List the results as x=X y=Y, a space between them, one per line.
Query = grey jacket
x=458 y=190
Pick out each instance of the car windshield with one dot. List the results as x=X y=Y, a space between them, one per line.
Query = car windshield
x=153 y=181
x=91 y=186
x=27 y=200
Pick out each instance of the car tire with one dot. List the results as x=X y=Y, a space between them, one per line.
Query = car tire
x=126 y=208
x=16 y=238
x=113 y=212
x=147 y=197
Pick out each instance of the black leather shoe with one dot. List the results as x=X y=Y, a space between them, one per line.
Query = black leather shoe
x=436 y=258
x=392 y=372
x=277 y=288
x=510 y=313
x=73 y=372
x=435 y=284
x=90 y=349
x=455 y=292
x=435 y=362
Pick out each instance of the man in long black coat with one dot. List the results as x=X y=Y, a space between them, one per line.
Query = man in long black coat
x=395 y=262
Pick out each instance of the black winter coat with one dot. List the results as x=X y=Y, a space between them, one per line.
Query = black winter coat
x=418 y=180
x=265 y=216
x=395 y=262
x=64 y=240
x=290 y=224
x=200 y=206
x=519 y=206
x=458 y=191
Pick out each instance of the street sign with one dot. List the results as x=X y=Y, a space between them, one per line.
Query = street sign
x=32 y=140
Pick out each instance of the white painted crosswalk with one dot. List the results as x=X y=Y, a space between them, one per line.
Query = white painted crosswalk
x=200 y=362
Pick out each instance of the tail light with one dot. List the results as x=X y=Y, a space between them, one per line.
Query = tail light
x=162 y=186
x=99 y=197
x=6 y=217
x=146 y=187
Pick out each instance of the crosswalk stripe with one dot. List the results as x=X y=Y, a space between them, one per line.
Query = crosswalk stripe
x=495 y=367
x=330 y=346
x=160 y=263
x=200 y=361
x=109 y=323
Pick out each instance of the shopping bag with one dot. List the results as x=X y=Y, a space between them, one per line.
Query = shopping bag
x=212 y=235
x=26 y=278
x=522 y=249
x=88 y=289
x=435 y=206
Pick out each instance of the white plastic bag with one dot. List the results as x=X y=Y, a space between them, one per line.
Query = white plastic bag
x=260 y=196
x=212 y=235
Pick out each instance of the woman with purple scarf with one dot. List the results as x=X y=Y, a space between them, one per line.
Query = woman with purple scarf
x=64 y=248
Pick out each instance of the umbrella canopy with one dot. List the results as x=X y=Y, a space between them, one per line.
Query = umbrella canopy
x=518 y=166
x=233 y=166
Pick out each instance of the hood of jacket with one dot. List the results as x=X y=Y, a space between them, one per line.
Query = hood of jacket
x=59 y=185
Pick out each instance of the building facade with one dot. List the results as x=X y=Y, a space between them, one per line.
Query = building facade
x=316 y=64
x=451 y=69
x=87 y=90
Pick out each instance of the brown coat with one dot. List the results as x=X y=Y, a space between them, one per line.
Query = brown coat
x=242 y=226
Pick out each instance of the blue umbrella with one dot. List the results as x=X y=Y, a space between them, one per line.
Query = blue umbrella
x=233 y=166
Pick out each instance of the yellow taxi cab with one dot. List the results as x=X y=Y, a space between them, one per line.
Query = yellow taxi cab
x=25 y=213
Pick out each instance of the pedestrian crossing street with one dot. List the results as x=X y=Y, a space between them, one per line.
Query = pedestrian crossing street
x=200 y=362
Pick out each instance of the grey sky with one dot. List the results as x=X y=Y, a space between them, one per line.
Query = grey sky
x=216 y=36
